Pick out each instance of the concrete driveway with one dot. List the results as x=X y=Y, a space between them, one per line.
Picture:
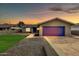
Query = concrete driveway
x=64 y=46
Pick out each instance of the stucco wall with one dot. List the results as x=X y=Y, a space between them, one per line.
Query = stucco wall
x=56 y=23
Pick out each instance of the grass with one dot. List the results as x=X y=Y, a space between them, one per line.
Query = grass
x=7 y=41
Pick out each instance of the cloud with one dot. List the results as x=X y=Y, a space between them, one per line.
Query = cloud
x=67 y=8
x=56 y=9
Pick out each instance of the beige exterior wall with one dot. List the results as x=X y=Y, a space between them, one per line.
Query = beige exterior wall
x=56 y=23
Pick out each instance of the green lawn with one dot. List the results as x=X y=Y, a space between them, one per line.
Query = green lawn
x=7 y=41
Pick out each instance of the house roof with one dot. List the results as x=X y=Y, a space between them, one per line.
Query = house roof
x=57 y=19
x=30 y=25
x=14 y=25
x=76 y=25
x=4 y=25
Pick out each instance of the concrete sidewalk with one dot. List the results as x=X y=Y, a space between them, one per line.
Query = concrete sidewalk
x=30 y=36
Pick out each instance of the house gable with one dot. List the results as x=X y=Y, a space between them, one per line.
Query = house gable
x=56 y=20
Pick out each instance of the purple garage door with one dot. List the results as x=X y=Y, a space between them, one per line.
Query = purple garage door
x=53 y=31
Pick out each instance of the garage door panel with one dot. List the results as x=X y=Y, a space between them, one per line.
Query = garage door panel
x=53 y=30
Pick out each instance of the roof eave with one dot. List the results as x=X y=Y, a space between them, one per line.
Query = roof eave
x=55 y=19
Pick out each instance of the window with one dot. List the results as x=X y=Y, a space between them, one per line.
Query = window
x=28 y=30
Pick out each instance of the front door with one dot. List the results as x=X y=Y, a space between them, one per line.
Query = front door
x=34 y=29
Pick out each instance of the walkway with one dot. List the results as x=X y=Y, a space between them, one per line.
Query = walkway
x=27 y=47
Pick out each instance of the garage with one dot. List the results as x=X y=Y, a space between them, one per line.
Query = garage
x=53 y=31
x=55 y=27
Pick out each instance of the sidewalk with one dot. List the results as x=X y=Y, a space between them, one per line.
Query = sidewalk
x=30 y=36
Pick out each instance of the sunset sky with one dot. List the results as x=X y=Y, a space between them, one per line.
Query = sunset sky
x=31 y=13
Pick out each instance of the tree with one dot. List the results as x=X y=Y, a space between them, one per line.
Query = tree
x=21 y=24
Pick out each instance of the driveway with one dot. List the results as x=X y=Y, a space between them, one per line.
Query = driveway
x=67 y=46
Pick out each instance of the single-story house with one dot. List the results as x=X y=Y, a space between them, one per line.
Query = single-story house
x=75 y=29
x=28 y=28
x=31 y=28
x=4 y=26
x=14 y=27
x=55 y=27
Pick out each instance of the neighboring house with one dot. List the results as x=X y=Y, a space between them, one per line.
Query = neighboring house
x=55 y=27
x=27 y=27
x=4 y=26
x=31 y=28
x=75 y=29
x=14 y=27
